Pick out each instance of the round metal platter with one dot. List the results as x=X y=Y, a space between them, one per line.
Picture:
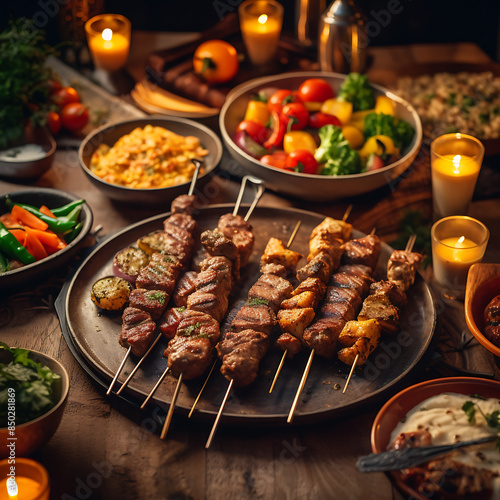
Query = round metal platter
x=96 y=334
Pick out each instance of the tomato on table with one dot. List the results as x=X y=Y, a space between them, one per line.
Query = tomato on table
x=281 y=98
x=297 y=113
x=64 y=96
x=74 y=116
x=302 y=161
x=216 y=61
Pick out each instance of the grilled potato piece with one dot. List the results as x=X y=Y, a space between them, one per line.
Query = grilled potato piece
x=110 y=293
x=152 y=242
x=295 y=321
x=360 y=338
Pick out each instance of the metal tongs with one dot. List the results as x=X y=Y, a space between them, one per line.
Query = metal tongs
x=411 y=457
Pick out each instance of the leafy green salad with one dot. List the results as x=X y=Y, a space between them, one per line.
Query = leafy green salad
x=32 y=383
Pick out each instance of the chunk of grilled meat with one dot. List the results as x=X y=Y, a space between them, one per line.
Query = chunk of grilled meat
x=241 y=353
x=333 y=249
x=340 y=309
x=402 y=268
x=160 y=242
x=271 y=289
x=323 y=334
x=170 y=320
x=365 y=251
x=336 y=229
x=137 y=330
x=320 y=267
x=379 y=307
x=254 y=316
x=216 y=244
x=240 y=232
x=276 y=253
x=295 y=321
x=391 y=290
x=289 y=343
x=271 y=268
x=183 y=221
x=215 y=306
x=189 y=352
x=355 y=277
x=184 y=287
x=359 y=338
x=177 y=233
x=335 y=294
x=160 y=274
x=151 y=301
x=492 y=321
x=183 y=204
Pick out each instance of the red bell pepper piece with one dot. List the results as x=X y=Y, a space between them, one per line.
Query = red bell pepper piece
x=278 y=132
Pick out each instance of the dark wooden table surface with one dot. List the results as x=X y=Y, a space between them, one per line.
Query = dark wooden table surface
x=106 y=448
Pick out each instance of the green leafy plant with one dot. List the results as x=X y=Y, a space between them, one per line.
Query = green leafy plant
x=492 y=419
x=400 y=131
x=32 y=382
x=24 y=80
x=356 y=88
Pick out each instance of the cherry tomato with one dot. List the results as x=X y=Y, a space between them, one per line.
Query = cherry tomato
x=297 y=113
x=54 y=86
x=74 y=116
x=315 y=90
x=301 y=161
x=216 y=61
x=65 y=95
x=281 y=98
x=277 y=159
x=318 y=120
x=54 y=122
x=255 y=130
x=374 y=162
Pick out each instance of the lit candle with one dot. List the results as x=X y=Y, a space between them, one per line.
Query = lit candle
x=23 y=479
x=108 y=37
x=457 y=243
x=260 y=23
x=455 y=163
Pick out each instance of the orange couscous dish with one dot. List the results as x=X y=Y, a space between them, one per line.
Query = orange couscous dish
x=148 y=158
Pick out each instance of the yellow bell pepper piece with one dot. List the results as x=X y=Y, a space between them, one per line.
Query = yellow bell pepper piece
x=358 y=119
x=372 y=146
x=384 y=104
x=257 y=111
x=354 y=136
x=341 y=109
x=297 y=139
x=313 y=106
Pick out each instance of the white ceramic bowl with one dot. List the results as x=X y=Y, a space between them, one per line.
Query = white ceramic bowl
x=312 y=187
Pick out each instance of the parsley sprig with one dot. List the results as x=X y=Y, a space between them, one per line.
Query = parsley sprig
x=492 y=419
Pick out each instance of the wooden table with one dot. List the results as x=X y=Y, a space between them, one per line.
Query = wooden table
x=106 y=448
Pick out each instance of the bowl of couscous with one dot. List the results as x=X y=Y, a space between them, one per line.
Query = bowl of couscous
x=149 y=161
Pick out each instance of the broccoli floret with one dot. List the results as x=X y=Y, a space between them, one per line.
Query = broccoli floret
x=357 y=89
x=400 y=131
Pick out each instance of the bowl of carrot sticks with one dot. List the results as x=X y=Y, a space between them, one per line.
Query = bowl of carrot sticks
x=41 y=229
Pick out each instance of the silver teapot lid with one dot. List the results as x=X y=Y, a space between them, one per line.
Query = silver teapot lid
x=342 y=12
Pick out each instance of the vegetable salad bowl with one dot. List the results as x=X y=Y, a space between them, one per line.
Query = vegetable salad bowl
x=313 y=187
x=34 y=433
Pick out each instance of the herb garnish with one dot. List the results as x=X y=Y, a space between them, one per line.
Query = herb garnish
x=256 y=302
x=492 y=419
x=189 y=330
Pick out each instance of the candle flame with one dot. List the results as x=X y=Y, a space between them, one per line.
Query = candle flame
x=262 y=19
x=107 y=34
x=12 y=487
x=461 y=240
x=456 y=163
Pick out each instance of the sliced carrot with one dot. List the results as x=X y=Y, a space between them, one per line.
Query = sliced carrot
x=28 y=218
x=19 y=234
x=33 y=245
x=48 y=239
x=46 y=211
x=8 y=220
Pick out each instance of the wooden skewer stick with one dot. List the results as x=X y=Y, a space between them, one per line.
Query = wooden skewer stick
x=409 y=247
x=202 y=389
x=132 y=373
x=350 y=373
x=278 y=370
x=170 y=413
x=120 y=368
x=153 y=390
x=347 y=213
x=301 y=386
x=219 y=414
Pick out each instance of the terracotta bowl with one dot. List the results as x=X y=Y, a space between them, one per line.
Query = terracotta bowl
x=399 y=405
x=483 y=284
x=33 y=434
